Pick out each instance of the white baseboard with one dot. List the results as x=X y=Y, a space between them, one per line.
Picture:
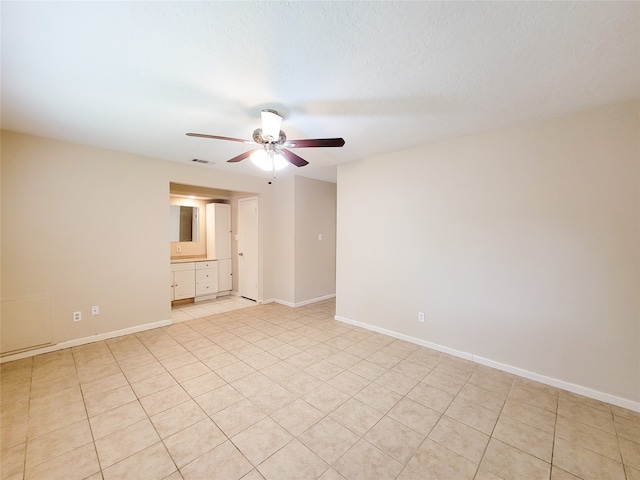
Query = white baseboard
x=300 y=304
x=83 y=341
x=554 y=382
x=275 y=300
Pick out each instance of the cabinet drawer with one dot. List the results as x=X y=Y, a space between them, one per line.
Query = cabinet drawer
x=206 y=288
x=204 y=265
x=180 y=267
x=204 y=276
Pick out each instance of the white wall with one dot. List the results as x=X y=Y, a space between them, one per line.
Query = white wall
x=522 y=246
x=89 y=226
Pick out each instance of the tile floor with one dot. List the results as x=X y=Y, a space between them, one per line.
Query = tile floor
x=271 y=392
x=227 y=303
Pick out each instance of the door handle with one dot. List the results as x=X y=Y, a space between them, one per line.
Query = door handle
x=241 y=254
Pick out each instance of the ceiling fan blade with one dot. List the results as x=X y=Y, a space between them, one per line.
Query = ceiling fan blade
x=293 y=158
x=217 y=137
x=315 y=142
x=242 y=156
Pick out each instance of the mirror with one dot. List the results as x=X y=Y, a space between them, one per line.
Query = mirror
x=183 y=223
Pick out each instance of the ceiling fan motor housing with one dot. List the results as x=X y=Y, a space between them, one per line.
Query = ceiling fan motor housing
x=258 y=137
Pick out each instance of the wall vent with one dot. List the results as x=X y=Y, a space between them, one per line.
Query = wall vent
x=204 y=162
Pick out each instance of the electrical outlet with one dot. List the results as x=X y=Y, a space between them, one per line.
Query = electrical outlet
x=77 y=316
x=95 y=310
x=421 y=317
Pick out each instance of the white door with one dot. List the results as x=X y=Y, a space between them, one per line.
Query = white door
x=248 y=247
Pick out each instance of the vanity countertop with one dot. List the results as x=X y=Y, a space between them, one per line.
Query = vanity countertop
x=188 y=259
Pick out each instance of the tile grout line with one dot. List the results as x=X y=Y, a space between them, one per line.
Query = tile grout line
x=84 y=404
x=26 y=435
x=553 y=441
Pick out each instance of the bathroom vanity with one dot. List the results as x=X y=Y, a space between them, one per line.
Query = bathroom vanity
x=206 y=277
x=195 y=279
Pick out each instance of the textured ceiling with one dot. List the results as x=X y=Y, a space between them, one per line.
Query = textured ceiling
x=136 y=76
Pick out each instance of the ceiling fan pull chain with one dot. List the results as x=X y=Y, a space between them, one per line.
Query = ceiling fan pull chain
x=273 y=164
x=271 y=173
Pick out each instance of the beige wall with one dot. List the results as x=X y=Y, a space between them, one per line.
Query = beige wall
x=315 y=260
x=304 y=267
x=90 y=227
x=284 y=250
x=521 y=246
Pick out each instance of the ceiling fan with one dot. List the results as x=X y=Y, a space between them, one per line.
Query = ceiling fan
x=273 y=152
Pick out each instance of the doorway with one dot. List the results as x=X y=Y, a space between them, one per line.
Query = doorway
x=245 y=270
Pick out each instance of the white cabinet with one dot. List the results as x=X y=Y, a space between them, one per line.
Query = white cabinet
x=199 y=280
x=218 y=221
x=206 y=280
x=183 y=280
x=225 y=283
x=219 y=243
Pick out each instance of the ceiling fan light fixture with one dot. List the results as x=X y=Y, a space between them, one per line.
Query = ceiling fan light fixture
x=268 y=162
x=271 y=123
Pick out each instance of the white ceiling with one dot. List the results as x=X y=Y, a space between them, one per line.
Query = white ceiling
x=136 y=76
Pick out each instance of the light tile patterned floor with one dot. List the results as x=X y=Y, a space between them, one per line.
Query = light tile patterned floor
x=224 y=304
x=279 y=393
